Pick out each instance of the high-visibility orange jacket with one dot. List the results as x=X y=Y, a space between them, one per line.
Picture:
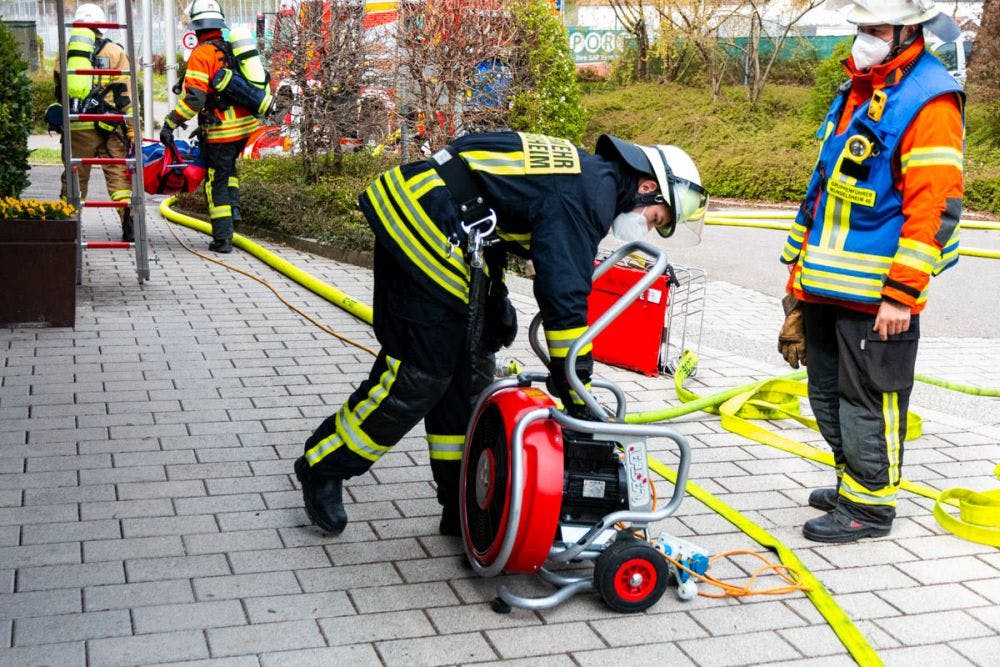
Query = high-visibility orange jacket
x=931 y=187
x=222 y=123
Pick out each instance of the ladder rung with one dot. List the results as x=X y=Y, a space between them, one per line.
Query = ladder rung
x=106 y=244
x=100 y=117
x=105 y=204
x=99 y=26
x=99 y=72
x=103 y=160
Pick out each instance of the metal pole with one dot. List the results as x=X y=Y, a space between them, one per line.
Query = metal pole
x=147 y=66
x=170 y=35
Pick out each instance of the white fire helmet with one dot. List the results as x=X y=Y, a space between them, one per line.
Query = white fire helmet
x=678 y=178
x=899 y=12
x=206 y=15
x=88 y=12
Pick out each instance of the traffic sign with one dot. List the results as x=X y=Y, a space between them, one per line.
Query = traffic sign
x=189 y=40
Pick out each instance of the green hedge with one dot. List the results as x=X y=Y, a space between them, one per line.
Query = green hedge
x=273 y=198
x=43 y=91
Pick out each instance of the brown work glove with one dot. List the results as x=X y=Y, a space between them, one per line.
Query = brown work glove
x=792 y=339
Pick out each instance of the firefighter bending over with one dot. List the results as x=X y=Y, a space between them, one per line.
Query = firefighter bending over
x=538 y=197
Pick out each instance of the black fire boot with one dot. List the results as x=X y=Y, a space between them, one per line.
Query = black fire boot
x=824 y=499
x=323 y=498
x=222 y=246
x=128 y=229
x=451 y=522
x=838 y=527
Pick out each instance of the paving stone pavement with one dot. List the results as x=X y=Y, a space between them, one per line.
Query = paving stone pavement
x=149 y=514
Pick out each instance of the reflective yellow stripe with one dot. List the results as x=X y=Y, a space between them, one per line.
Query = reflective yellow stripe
x=378 y=393
x=495 y=162
x=415 y=250
x=837 y=215
x=196 y=75
x=576 y=397
x=183 y=110
x=949 y=253
x=523 y=239
x=356 y=439
x=890 y=414
x=375 y=397
x=856 y=492
x=932 y=156
x=423 y=183
x=865 y=288
x=446 y=447
x=559 y=342
x=917 y=255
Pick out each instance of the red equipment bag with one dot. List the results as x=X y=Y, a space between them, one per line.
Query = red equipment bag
x=170 y=169
x=633 y=339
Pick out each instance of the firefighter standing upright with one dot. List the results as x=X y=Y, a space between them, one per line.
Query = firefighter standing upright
x=87 y=49
x=880 y=217
x=224 y=126
x=535 y=196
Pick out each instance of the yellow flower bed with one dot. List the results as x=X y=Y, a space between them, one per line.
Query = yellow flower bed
x=35 y=209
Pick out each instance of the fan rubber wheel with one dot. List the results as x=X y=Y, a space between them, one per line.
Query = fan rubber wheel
x=631 y=575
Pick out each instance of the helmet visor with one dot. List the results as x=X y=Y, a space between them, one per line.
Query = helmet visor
x=689 y=202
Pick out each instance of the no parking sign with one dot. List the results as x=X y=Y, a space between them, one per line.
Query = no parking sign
x=189 y=41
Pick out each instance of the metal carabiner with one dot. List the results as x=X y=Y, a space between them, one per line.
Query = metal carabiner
x=477 y=232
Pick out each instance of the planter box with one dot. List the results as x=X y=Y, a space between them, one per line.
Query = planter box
x=38 y=272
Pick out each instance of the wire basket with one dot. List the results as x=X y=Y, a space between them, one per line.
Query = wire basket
x=685 y=316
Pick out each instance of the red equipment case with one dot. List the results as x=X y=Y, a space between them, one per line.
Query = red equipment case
x=633 y=339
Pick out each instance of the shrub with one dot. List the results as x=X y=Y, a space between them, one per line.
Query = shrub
x=274 y=197
x=43 y=93
x=15 y=116
x=829 y=75
x=551 y=105
x=761 y=152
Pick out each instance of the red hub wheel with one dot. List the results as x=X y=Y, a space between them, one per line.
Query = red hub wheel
x=635 y=580
x=630 y=575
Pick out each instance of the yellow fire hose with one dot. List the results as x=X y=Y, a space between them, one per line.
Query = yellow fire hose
x=776 y=398
x=752 y=220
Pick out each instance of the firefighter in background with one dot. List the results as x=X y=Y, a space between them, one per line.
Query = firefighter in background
x=880 y=217
x=87 y=49
x=224 y=127
x=538 y=197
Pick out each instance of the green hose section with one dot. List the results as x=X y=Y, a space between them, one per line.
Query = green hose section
x=839 y=621
x=338 y=298
x=963 y=388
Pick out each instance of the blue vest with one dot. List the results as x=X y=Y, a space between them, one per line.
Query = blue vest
x=856 y=230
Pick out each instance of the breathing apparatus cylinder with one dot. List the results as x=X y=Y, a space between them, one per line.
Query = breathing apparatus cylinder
x=249 y=86
x=79 y=54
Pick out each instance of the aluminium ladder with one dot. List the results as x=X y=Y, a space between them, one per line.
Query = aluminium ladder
x=133 y=163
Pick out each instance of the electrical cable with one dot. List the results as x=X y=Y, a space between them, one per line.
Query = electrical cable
x=242 y=242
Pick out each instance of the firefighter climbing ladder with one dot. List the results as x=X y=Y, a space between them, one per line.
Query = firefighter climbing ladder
x=132 y=162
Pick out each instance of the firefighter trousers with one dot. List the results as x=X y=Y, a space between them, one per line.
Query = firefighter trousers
x=222 y=188
x=859 y=390
x=423 y=371
x=94 y=143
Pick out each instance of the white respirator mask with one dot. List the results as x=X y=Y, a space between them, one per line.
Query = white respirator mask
x=631 y=226
x=869 y=50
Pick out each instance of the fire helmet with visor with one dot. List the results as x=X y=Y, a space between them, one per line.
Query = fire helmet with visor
x=206 y=15
x=678 y=179
x=900 y=13
x=88 y=12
